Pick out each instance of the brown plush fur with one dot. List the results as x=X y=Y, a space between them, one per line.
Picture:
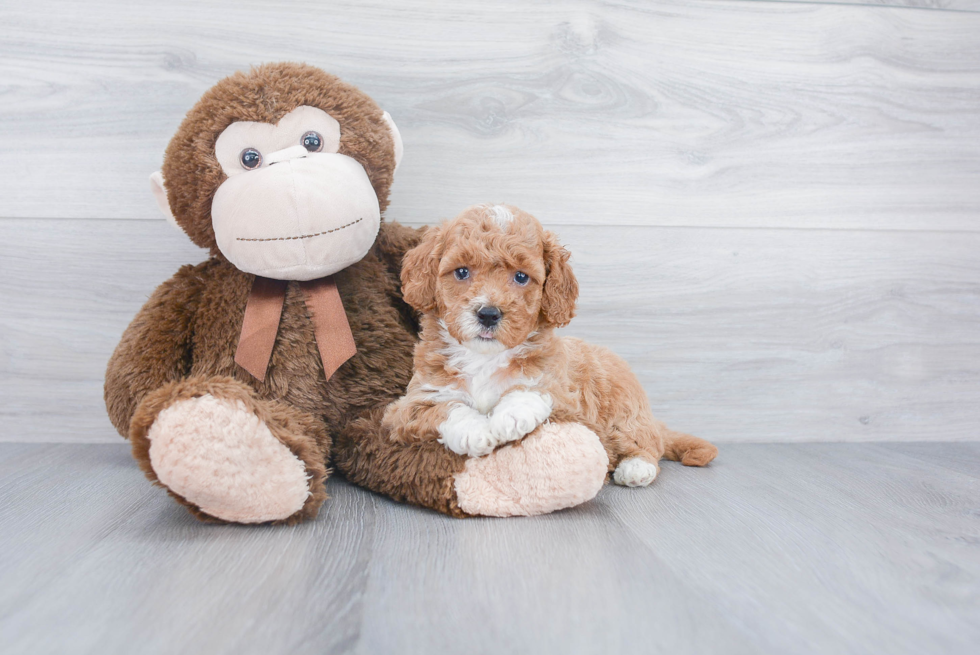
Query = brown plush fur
x=588 y=384
x=300 y=431
x=182 y=342
x=421 y=474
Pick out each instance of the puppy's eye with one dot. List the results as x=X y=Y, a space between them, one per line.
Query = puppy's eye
x=312 y=141
x=250 y=158
x=521 y=278
x=461 y=273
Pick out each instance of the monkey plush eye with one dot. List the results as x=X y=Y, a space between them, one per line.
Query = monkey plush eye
x=521 y=278
x=461 y=273
x=312 y=141
x=251 y=159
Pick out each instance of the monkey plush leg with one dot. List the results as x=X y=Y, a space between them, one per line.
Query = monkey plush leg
x=558 y=465
x=230 y=456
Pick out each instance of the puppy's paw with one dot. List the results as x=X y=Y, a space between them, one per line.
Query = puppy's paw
x=517 y=414
x=466 y=432
x=635 y=472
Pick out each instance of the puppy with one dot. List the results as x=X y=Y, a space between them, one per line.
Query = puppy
x=492 y=285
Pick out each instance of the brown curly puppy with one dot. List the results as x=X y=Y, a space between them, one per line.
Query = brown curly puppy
x=493 y=285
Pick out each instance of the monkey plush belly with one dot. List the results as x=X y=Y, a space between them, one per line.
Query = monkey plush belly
x=232 y=447
x=378 y=372
x=294 y=375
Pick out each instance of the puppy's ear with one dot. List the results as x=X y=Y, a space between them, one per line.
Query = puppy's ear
x=420 y=271
x=560 y=285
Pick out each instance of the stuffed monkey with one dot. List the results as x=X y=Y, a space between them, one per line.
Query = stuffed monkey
x=240 y=379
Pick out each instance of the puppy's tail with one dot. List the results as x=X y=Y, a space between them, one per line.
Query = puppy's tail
x=687 y=449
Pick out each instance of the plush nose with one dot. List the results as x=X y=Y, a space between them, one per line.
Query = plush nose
x=489 y=316
x=292 y=152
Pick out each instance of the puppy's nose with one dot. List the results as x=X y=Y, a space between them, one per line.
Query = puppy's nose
x=489 y=316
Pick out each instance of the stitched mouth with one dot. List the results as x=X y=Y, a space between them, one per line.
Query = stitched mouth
x=304 y=236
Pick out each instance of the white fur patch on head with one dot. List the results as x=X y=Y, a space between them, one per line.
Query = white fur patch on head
x=501 y=215
x=635 y=472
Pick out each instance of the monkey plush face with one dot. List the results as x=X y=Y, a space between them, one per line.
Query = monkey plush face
x=284 y=171
x=292 y=206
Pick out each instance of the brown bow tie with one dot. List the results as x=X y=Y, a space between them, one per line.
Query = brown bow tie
x=261 y=323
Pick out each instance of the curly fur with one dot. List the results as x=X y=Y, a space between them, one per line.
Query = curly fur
x=502 y=371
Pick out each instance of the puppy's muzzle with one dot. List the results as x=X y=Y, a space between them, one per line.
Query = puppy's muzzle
x=489 y=317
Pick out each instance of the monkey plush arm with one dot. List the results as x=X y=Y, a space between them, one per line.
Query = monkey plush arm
x=155 y=348
x=394 y=240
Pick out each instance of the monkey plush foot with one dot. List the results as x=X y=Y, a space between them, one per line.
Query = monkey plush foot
x=221 y=457
x=558 y=465
x=227 y=455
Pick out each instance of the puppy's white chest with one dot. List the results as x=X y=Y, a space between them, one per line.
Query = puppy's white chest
x=481 y=378
x=485 y=391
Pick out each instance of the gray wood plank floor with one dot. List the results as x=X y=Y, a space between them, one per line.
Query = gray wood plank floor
x=818 y=548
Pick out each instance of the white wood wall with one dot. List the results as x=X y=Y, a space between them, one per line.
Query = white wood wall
x=774 y=207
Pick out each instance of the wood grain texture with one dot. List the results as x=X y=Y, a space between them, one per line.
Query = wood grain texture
x=783 y=549
x=682 y=112
x=936 y=5
x=737 y=335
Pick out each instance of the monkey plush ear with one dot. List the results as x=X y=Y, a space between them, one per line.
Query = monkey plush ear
x=160 y=193
x=397 y=138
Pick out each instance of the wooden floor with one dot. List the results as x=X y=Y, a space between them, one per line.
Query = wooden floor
x=792 y=548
